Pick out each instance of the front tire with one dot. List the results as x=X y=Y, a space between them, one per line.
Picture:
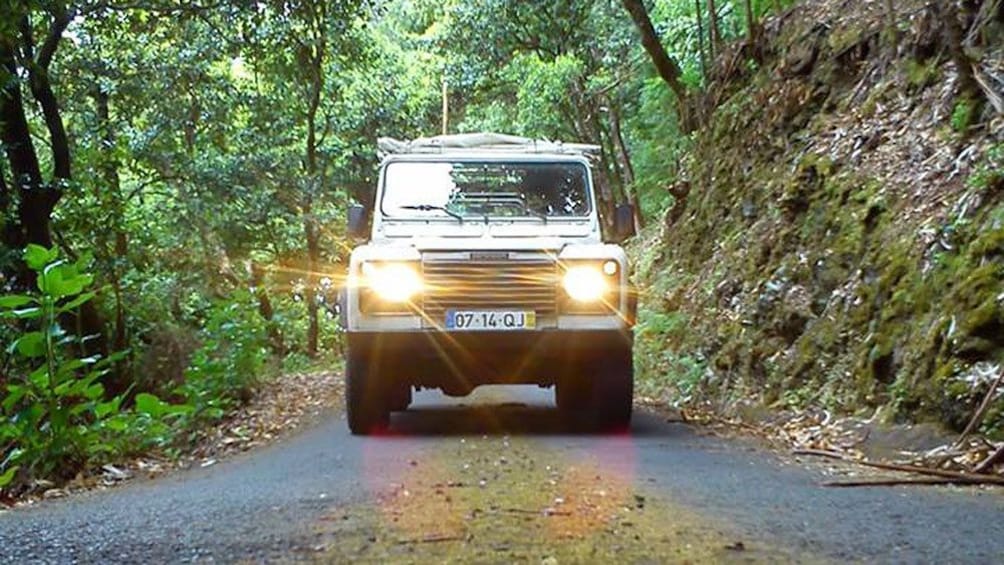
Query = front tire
x=572 y=392
x=400 y=397
x=365 y=400
x=613 y=391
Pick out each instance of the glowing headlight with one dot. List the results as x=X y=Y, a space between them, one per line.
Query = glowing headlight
x=393 y=282
x=585 y=283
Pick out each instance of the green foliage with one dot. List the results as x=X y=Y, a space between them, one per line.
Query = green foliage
x=226 y=368
x=50 y=415
x=215 y=151
x=989 y=174
x=661 y=367
x=922 y=74
x=55 y=418
x=963 y=115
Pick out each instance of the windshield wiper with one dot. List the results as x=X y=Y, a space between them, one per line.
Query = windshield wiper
x=432 y=207
x=511 y=199
x=536 y=213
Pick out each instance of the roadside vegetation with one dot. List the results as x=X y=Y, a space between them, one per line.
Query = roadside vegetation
x=817 y=191
x=835 y=240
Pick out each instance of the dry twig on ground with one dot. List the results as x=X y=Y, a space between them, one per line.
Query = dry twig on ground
x=981 y=410
x=902 y=482
x=969 y=478
x=988 y=463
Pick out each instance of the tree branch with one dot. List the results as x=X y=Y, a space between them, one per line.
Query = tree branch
x=41 y=89
x=60 y=20
x=943 y=473
x=28 y=43
x=16 y=135
x=981 y=411
x=5 y=198
x=988 y=463
x=163 y=9
x=668 y=68
x=158 y=179
x=36 y=201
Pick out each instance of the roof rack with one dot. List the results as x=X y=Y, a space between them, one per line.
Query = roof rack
x=482 y=142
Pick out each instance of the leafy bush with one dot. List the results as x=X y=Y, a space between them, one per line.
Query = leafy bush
x=660 y=368
x=228 y=366
x=55 y=419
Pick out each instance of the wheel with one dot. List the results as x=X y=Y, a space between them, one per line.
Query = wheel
x=365 y=396
x=613 y=390
x=399 y=398
x=571 y=392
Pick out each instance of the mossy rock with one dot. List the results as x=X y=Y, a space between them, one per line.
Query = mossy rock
x=920 y=75
x=989 y=244
x=981 y=331
x=981 y=285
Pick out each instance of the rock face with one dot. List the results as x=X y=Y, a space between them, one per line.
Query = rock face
x=842 y=239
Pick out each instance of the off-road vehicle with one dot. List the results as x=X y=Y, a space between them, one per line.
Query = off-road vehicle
x=485 y=264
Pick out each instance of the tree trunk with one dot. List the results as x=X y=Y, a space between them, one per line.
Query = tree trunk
x=10 y=232
x=36 y=199
x=588 y=123
x=701 y=51
x=310 y=295
x=953 y=39
x=752 y=27
x=667 y=67
x=625 y=157
x=714 y=30
x=265 y=309
x=112 y=197
x=9 y=237
x=310 y=227
x=892 y=31
x=4 y=194
x=611 y=162
x=59 y=144
x=115 y=254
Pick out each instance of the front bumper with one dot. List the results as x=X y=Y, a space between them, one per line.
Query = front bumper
x=458 y=361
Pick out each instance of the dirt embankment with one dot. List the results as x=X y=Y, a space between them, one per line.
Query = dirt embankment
x=838 y=235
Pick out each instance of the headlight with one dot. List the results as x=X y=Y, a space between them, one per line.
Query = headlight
x=585 y=283
x=393 y=282
x=389 y=287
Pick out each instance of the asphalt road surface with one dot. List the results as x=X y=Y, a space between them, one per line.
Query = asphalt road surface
x=498 y=477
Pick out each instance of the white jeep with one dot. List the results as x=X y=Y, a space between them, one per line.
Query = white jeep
x=486 y=265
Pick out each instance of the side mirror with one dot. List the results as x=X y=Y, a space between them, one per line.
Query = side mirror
x=624 y=221
x=357 y=221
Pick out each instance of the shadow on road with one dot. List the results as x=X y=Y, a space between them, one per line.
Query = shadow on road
x=513 y=419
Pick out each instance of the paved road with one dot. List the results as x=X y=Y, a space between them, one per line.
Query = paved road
x=327 y=496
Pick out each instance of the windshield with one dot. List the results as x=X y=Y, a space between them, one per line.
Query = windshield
x=485 y=189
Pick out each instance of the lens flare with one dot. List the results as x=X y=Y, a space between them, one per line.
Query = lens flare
x=585 y=283
x=393 y=282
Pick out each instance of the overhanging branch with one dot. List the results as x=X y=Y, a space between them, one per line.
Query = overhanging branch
x=60 y=20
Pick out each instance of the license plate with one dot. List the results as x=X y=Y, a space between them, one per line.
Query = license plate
x=490 y=320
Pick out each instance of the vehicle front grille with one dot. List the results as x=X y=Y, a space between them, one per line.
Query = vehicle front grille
x=523 y=284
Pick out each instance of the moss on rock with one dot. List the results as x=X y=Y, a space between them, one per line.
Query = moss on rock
x=806 y=274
